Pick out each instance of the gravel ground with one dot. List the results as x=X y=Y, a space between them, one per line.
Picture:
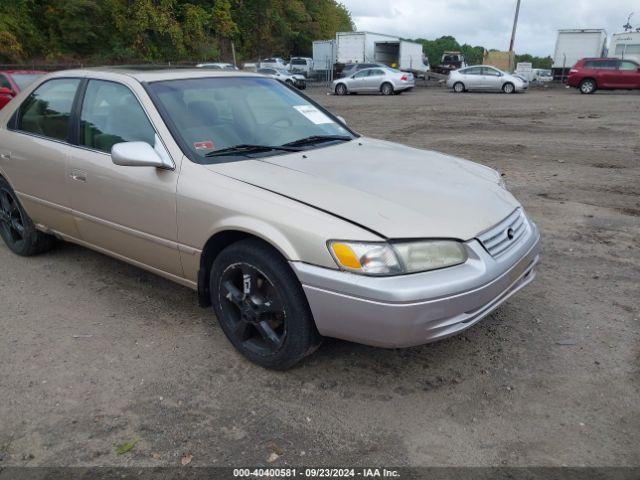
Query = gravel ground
x=95 y=353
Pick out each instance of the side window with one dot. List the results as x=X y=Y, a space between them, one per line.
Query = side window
x=111 y=114
x=376 y=72
x=362 y=74
x=47 y=110
x=472 y=71
x=4 y=82
x=629 y=66
x=490 y=72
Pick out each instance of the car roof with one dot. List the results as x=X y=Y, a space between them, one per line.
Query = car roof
x=146 y=74
x=31 y=72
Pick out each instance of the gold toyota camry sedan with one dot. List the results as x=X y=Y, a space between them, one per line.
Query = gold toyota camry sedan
x=284 y=220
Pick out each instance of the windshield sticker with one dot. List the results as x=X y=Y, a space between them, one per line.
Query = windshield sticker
x=206 y=145
x=313 y=114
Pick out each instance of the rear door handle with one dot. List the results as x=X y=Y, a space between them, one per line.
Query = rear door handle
x=78 y=175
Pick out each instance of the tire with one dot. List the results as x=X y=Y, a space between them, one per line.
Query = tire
x=588 y=86
x=509 y=88
x=341 y=89
x=386 y=89
x=17 y=229
x=261 y=306
x=289 y=82
x=458 y=87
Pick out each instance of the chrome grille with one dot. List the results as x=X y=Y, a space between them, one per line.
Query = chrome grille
x=499 y=239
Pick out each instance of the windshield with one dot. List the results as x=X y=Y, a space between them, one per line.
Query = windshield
x=214 y=114
x=24 y=79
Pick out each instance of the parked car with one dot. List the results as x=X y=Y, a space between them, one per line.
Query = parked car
x=285 y=76
x=290 y=224
x=386 y=81
x=591 y=74
x=301 y=65
x=351 y=68
x=484 y=78
x=275 y=62
x=218 y=66
x=542 y=75
x=12 y=81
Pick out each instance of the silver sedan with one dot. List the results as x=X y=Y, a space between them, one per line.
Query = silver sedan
x=384 y=80
x=482 y=77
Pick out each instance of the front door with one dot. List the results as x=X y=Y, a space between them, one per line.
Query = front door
x=491 y=79
x=359 y=81
x=628 y=75
x=127 y=211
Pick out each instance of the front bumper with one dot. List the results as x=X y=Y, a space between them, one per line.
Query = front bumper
x=420 y=308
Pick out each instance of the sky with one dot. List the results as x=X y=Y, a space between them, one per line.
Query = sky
x=489 y=22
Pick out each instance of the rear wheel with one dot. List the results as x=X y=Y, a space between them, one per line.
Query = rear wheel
x=16 y=228
x=508 y=88
x=458 y=87
x=386 y=89
x=588 y=86
x=261 y=306
x=341 y=89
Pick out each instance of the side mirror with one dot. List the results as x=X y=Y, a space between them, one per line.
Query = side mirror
x=137 y=154
x=7 y=91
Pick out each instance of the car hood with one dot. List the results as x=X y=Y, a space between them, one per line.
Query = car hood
x=394 y=190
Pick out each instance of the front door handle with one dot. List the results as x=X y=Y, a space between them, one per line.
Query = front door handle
x=78 y=175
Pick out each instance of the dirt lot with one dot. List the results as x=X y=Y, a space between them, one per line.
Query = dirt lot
x=94 y=353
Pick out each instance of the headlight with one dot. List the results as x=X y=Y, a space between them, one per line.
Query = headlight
x=397 y=258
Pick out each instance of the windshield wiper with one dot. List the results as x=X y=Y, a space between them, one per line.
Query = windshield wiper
x=317 y=139
x=247 y=149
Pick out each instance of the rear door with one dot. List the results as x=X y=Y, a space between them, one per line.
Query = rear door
x=607 y=73
x=126 y=211
x=473 y=78
x=34 y=153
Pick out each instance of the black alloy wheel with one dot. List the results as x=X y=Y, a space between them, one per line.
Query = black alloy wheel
x=11 y=221
x=17 y=229
x=254 y=312
x=261 y=306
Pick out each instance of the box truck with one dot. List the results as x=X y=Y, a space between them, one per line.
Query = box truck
x=625 y=46
x=574 y=44
x=324 y=55
x=368 y=47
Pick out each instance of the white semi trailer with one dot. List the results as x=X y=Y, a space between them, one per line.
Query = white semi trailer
x=574 y=44
x=368 y=47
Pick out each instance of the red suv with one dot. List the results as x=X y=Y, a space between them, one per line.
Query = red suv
x=12 y=81
x=591 y=74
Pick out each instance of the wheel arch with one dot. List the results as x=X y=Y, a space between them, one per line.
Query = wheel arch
x=227 y=236
x=593 y=79
x=387 y=82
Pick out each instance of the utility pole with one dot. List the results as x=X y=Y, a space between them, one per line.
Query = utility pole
x=513 y=33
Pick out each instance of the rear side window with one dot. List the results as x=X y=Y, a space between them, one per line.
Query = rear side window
x=601 y=64
x=472 y=71
x=111 y=114
x=46 y=112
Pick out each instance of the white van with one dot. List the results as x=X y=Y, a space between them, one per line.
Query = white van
x=301 y=65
